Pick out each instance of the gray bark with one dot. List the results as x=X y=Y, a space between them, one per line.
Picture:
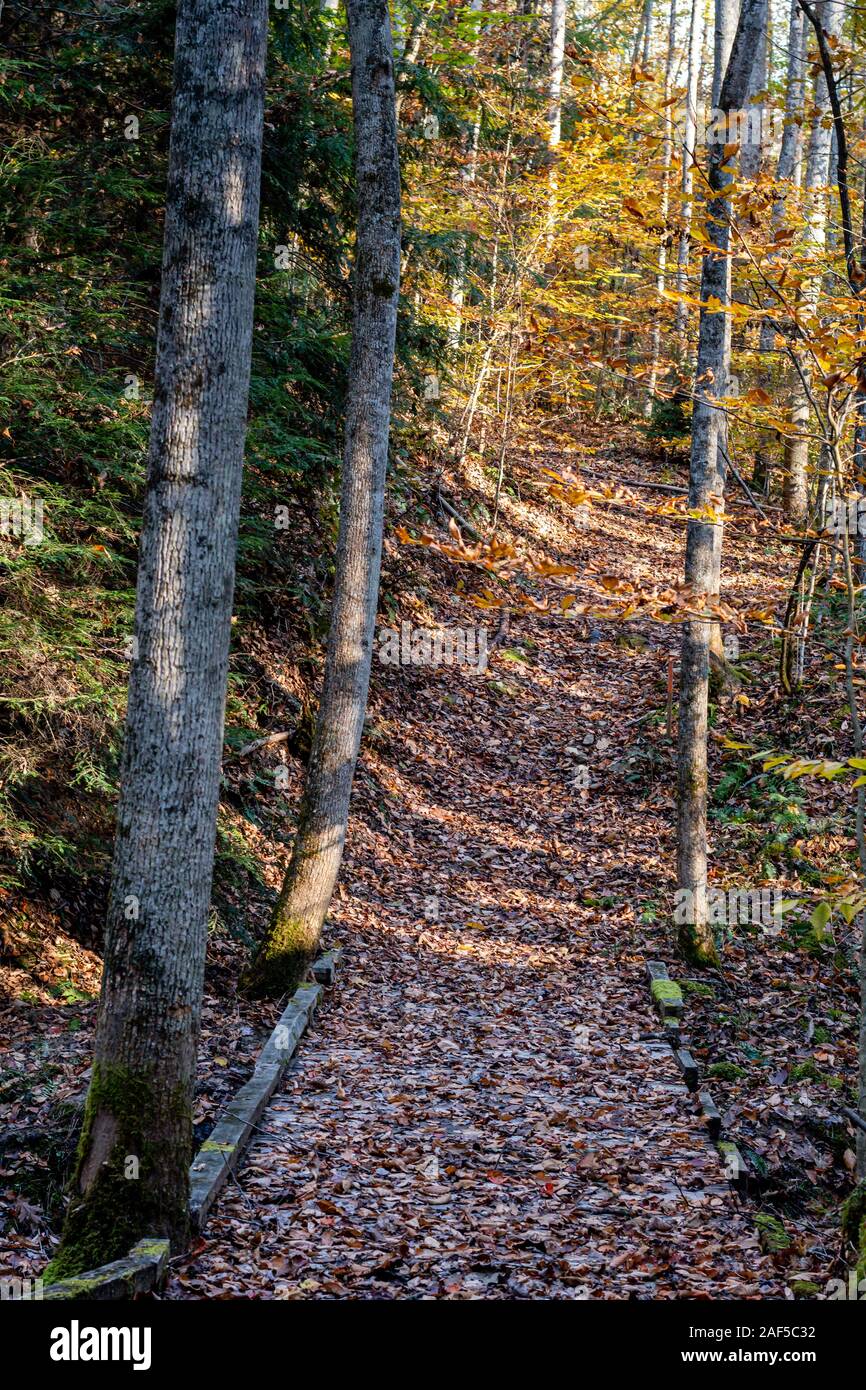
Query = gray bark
x=788 y=170
x=648 y=33
x=791 y=152
x=318 y=846
x=706 y=488
x=458 y=284
x=638 y=39
x=795 y=487
x=139 y=1106
x=723 y=38
x=554 y=112
x=696 y=34
x=664 y=206
x=752 y=150
x=414 y=40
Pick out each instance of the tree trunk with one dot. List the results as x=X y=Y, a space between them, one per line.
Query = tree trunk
x=752 y=147
x=648 y=33
x=318 y=847
x=788 y=170
x=661 y=269
x=554 y=113
x=414 y=40
x=132 y=1168
x=795 y=486
x=706 y=489
x=723 y=38
x=638 y=34
x=458 y=283
x=696 y=32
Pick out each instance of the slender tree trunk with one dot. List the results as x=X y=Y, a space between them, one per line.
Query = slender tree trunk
x=723 y=38
x=790 y=164
x=412 y=49
x=752 y=147
x=458 y=284
x=661 y=269
x=648 y=33
x=131 y=1175
x=554 y=114
x=788 y=171
x=639 y=46
x=795 y=486
x=706 y=489
x=696 y=32
x=318 y=847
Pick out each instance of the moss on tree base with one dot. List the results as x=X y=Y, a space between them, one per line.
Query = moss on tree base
x=698 y=946
x=131 y=1173
x=285 y=958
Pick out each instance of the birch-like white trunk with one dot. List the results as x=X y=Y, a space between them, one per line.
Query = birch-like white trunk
x=788 y=172
x=131 y=1177
x=753 y=116
x=664 y=207
x=648 y=33
x=696 y=36
x=414 y=40
x=795 y=485
x=554 y=114
x=458 y=283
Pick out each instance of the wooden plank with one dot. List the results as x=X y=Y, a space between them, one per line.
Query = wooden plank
x=143 y=1270
x=711 y=1114
x=688 y=1066
x=325 y=968
x=221 y=1152
x=734 y=1163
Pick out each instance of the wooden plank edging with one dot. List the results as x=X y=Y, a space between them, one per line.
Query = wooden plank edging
x=143 y=1269
x=145 y=1266
x=221 y=1152
x=667 y=999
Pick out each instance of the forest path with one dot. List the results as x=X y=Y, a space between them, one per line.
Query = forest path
x=483 y=1107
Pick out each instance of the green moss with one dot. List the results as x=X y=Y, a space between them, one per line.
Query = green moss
x=285 y=956
x=697 y=945
x=804 y=1288
x=667 y=993
x=806 y=1071
x=153 y=1249
x=106 y=1220
x=772 y=1234
x=726 y=1071
x=698 y=988
x=854 y=1225
x=76 y=1285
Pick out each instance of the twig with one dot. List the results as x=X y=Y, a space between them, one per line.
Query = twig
x=264 y=742
x=461 y=520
